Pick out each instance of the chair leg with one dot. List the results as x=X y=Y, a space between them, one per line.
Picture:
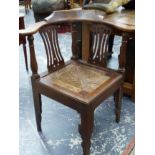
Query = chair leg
x=38 y=109
x=25 y=56
x=118 y=102
x=86 y=129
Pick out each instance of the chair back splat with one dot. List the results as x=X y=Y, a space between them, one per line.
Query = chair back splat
x=99 y=45
x=50 y=38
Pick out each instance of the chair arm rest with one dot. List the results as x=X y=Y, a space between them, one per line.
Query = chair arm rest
x=32 y=29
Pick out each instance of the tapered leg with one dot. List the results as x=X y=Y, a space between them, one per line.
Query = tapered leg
x=86 y=129
x=37 y=106
x=25 y=56
x=118 y=102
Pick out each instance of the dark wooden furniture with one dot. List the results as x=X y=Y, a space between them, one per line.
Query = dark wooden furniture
x=79 y=85
x=22 y=39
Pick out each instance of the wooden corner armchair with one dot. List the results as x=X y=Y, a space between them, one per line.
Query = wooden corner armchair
x=79 y=85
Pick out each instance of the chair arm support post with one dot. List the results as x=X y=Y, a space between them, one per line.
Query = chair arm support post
x=122 y=56
x=33 y=61
x=75 y=48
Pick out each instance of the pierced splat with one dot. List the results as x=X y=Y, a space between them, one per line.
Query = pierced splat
x=99 y=45
x=53 y=53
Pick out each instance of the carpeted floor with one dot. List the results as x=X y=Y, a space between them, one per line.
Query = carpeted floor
x=60 y=124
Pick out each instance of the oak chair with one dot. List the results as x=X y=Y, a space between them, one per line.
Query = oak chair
x=79 y=85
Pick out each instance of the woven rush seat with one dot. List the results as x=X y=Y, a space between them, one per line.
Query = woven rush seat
x=82 y=81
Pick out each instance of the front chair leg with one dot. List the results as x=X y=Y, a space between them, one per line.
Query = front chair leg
x=38 y=109
x=118 y=102
x=86 y=129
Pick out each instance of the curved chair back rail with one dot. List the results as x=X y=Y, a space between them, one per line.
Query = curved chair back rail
x=122 y=21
